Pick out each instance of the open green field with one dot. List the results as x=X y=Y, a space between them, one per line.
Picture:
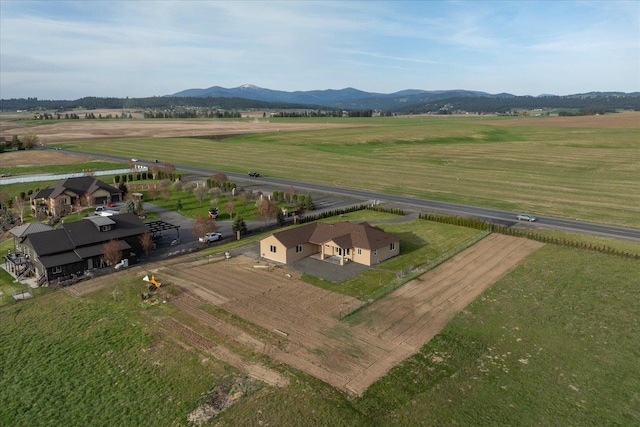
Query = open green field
x=581 y=173
x=552 y=343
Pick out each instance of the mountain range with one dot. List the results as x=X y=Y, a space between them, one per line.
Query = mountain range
x=361 y=103
x=405 y=100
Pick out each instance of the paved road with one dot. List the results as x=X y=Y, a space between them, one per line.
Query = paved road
x=494 y=216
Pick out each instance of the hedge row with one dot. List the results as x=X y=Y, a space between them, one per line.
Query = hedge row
x=143 y=176
x=394 y=211
x=528 y=234
x=328 y=214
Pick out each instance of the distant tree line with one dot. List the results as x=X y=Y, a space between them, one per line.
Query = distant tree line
x=192 y=114
x=505 y=105
x=151 y=103
x=488 y=104
x=308 y=113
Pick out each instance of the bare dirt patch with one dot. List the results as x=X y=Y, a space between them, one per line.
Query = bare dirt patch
x=624 y=120
x=305 y=320
x=39 y=158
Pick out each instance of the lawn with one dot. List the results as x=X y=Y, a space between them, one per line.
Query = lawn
x=582 y=173
x=421 y=243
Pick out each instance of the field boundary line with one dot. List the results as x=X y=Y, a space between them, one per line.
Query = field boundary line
x=417 y=272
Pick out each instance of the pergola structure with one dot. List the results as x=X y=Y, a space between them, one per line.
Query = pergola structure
x=159 y=226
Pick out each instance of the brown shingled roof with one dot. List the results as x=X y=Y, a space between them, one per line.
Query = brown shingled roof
x=344 y=234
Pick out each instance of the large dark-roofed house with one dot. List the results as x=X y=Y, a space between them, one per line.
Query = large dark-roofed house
x=77 y=246
x=361 y=243
x=81 y=191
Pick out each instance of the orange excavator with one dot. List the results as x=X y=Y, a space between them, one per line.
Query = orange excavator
x=154 y=283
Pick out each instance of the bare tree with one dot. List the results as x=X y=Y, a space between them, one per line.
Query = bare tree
x=267 y=210
x=152 y=193
x=19 y=205
x=166 y=194
x=203 y=225
x=290 y=192
x=30 y=140
x=111 y=252
x=200 y=192
x=190 y=186
x=168 y=169
x=154 y=169
x=230 y=207
x=146 y=241
x=220 y=178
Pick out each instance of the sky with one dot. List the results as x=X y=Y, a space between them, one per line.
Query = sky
x=72 y=49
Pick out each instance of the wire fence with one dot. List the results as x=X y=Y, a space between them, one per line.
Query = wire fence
x=38 y=178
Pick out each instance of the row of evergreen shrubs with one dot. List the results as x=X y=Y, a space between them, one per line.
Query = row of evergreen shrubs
x=226 y=186
x=529 y=234
x=379 y=208
x=143 y=176
x=334 y=212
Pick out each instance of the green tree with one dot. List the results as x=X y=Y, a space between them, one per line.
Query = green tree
x=239 y=225
x=130 y=206
x=179 y=205
x=15 y=142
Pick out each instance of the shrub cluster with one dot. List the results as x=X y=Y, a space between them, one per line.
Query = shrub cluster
x=226 y=186
x=528 y=234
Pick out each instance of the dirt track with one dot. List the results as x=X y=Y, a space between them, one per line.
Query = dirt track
x=303 y=321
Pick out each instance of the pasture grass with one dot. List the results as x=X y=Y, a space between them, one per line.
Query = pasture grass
x=552 y=343
x=580 y=173
x=68 y=361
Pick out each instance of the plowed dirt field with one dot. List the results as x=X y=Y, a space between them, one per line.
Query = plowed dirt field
x=304 y=322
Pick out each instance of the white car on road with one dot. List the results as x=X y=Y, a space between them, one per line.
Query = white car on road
x=210 y=237
x=526 y=217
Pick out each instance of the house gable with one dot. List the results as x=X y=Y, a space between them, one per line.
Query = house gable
x=73 y=190
x=77 y=246
x=360 y=243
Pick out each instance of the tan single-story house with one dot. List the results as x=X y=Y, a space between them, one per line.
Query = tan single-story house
x=72 y=192
x=361 y=243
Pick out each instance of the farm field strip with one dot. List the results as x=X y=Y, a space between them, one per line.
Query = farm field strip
x=582 y=172
x=406 y=314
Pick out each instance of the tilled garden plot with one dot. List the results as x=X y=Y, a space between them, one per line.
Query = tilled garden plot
x=306 y=319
